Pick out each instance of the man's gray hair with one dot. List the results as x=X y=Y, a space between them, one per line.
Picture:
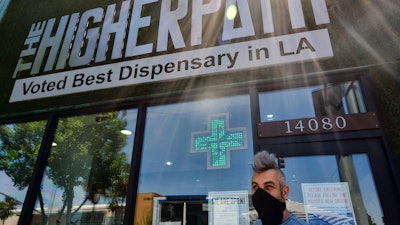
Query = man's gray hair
x=264 y=161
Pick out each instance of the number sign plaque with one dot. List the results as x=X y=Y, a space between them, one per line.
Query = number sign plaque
x=317 y=125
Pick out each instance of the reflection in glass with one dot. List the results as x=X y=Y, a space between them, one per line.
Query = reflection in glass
x=336 y=99
x=85 y=181
x=191 y=149
x=325 y=174
x=3 y=7
x=306 y=102
x=19 y=147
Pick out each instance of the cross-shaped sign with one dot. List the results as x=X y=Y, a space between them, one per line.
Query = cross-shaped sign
x=218 y=140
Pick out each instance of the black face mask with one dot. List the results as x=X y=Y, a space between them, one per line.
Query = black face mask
x=269 y=209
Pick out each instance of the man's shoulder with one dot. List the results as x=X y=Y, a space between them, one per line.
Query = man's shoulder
x=293 y=220
x=257 y=222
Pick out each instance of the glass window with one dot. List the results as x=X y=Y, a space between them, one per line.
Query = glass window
x=192 y=151
x=3 y=7
x=313 y=101
x=325 y=189
x=19 y=147
x=85 y=180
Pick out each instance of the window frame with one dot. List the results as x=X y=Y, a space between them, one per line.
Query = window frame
x=252 y=88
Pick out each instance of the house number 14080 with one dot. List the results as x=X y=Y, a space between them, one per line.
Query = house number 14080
x=313 y=125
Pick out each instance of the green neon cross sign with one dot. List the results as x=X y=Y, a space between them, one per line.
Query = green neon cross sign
x=218 y=140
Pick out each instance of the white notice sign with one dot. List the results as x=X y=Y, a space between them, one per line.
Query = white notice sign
x=228 y=208
x=328 y=203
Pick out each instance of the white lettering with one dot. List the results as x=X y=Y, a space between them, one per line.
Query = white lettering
x=86 y=38
x=34 y=35
x=296 y=14
x=98 y=35
x=199 y=10
x=247 y=29
x=169 y=24
x=69 y=35
x=137 y=22
x=109 y=27
x=320 y=12
x=52 y=42
x=266 y=13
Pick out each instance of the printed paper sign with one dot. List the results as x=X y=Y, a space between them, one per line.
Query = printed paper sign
x=228 y=208
x=328 y=203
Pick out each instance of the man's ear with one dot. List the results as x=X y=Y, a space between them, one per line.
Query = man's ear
x=285 y=192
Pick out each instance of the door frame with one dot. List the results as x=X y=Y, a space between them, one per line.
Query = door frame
x=374 y=148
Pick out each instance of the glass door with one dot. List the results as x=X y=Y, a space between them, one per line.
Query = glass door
x=333 y=175
x=328 y=186
x=332 y=188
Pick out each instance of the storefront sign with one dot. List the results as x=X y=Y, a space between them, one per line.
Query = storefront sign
x=316 y=125
x=71 y=53
x=228 y=208
x=328 y=203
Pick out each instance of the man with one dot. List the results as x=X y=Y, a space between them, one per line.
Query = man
x=269 y=192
